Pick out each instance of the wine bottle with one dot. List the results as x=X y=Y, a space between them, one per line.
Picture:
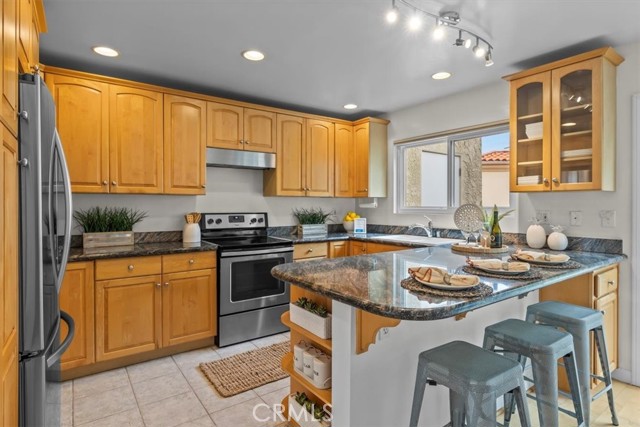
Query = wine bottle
x=496 y=231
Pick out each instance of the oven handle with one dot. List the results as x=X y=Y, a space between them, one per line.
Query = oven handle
x=256 y=252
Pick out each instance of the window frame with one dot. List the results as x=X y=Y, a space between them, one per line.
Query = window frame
x=450 y=139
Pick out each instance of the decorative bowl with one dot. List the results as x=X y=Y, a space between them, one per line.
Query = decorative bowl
x=348 y=225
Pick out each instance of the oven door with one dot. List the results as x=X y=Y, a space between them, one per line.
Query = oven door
x=246 y=282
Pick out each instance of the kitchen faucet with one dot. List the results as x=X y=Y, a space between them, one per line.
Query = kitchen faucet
x=427 y=228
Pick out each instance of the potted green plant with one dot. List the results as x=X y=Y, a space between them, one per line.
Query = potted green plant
x=313 y=221
x=307 y=413
x=108 y=226
x=312 y=316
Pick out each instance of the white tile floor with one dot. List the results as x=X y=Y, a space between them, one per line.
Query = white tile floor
x=169 y=392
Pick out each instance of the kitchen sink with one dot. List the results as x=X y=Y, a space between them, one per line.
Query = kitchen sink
x=423 y=240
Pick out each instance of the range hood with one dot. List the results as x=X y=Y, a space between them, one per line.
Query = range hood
x=217 y=157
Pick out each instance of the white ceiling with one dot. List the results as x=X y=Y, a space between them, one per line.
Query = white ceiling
x=322 y=54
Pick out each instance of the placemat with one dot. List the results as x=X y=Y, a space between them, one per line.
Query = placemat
x=532 y=274
x=413 y=285
x=569 y=265
x=248 y=370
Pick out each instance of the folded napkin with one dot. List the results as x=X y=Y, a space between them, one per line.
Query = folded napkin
x=440 y=276
x=496 y=264
x=541 y=256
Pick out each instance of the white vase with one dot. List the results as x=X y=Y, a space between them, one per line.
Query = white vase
x=191 y=233
x=536 y=236
x=557 y=240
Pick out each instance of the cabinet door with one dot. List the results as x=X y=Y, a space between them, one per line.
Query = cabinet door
x=135 y=140
x=9 y=77
x=128 y=316
x=361 y=160
x=338 y=249
x=25 y=20
x=77 y=299
x=288 y=177
x=259 y=130
x=344 y=161
x=185 y=136
x=82 y=120
x=225 y=124
x=530 y=130
x=188 y=306
x=8 y=279
x=319 y=149
x=357 y=248
x=608 y=304
x=34 y=38
x=577 y=128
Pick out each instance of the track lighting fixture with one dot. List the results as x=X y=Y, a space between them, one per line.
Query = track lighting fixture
x=443 y=21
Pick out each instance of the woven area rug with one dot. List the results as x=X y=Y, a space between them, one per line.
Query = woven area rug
x=248 y=370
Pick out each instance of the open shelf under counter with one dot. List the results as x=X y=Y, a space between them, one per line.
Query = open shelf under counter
x=287 y=365
x=325 y=344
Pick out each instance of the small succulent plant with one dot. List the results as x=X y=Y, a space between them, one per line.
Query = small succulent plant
x=311 y=306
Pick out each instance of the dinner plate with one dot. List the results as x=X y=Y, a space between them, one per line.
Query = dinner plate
x=500 y=271
x=446 y=287
x=537 y=261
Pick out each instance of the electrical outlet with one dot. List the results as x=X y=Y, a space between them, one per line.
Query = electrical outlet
x=575 y=218
x=608 y=219
x=543 y=216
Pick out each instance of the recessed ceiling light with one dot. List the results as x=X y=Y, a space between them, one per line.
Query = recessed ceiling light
x=569 y=124
x=350 y=106
x=106 y=51
x=253 y=55
x=441 y=75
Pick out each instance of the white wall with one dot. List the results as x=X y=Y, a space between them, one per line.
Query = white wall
x=491 y=103
x=228 y=190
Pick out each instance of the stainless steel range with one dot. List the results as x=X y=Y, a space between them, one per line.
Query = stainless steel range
x=250 y=299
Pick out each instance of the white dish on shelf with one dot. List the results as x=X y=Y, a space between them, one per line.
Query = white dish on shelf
x=534 y=130
x=576 y=153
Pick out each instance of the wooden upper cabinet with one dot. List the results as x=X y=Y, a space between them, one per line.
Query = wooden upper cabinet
x=9 y=77
x=77 y=299
x=188 y=306
x=25 y=22
x=319 y=158
x=344 y=161
x=225 y=126
x=136 y=140
x=361 y=162
x=370 y=158
x=288 y=178
x=185 y=135
x=259 y=130
x=82 y=119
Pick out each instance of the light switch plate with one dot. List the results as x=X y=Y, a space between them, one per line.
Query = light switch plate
x=575 y=218
x=608 y=219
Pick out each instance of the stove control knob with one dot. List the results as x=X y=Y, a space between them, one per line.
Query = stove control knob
x=260 y=220
x=218 y=221
x=253 y=220
x=210 y=221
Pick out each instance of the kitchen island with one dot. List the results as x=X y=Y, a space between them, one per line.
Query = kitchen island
x=373 y=385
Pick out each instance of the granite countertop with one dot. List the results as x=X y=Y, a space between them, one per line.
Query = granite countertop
x=139 y=249
x=372 y=282
x=368 y=237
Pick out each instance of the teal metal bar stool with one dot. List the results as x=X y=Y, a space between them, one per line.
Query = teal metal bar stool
x=475 y=378
x=544 y=346
x=579 y=322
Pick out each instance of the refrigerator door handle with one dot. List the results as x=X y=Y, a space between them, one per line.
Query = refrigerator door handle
x=56 y=355
x=68 y=211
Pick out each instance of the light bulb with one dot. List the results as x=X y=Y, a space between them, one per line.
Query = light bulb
x=438 y=32
x=392 y=15
x=467 y=43
x=488 y=60
x=479 y=50
x=415 y=22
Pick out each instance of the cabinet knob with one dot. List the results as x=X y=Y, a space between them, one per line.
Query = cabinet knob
x=310 y=250
x=158 y=285
x=246 y=142
x=114 y=183
x=241 y=141
x=105 y=182
x=611 y=283
x=191 y=261
x=130 y=267
x=166 y=284
x=203 y=186
x=366 y=189
x=363 y=250
x=555 y=180
x=545 y=181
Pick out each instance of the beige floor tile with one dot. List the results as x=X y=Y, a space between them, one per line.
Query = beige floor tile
x=194 y=358
x=101 y=405
x=235 y=349
x=200 y=422
x=271 y=387
x=173 y=411
x=213 y=402
x=252 y=413
x=195 y=377
x=100 y=383
x=130 y=418
x=152 y=369
x=275 y=397
x=272 y=339
x=160 y=388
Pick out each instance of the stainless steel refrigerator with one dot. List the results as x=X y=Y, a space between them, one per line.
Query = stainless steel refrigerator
x=45 y=235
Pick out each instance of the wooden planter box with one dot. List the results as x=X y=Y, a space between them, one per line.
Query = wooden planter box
x=300 y=415
x=313 y=230
x=319 y=326
x=100 y=240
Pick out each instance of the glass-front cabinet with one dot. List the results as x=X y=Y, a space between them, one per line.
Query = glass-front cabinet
x=563 y=124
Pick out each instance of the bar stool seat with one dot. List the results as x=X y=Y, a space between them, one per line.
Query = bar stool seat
x=579 y=322
x=475 y=378
x=543 y=345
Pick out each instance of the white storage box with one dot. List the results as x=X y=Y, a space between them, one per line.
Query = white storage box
x=319 y=326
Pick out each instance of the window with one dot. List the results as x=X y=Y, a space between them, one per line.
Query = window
x=444 y=172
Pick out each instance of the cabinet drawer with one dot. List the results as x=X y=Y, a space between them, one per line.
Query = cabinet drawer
x=606 y=282
x=188 y=262
x=128 y=267
x=310 y=250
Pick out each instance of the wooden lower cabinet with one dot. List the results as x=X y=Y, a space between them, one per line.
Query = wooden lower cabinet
x=357 y=248
x=77 y=299
x=338 y=249
x=128 y=316
x=608 y=304
x=9 y=384
x=188 y=301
